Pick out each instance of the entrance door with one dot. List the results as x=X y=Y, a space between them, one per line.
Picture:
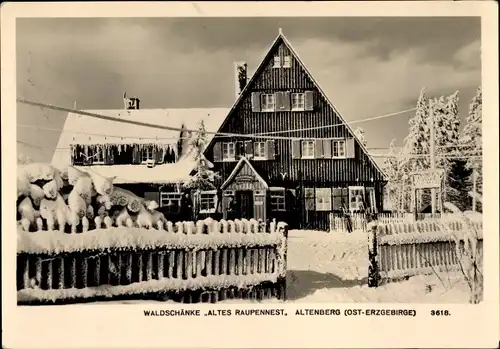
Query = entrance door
x=245 y=198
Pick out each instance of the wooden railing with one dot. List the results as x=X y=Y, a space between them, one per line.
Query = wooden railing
x=425 y=247
x=219 y=260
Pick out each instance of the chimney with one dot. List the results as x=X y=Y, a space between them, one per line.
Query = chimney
x=240 y=77
x=130 y=103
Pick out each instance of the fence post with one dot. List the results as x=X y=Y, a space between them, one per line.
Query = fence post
x=373 y=270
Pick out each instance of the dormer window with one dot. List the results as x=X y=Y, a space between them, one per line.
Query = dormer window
x=277 y=61
x=287 y=61
x=268 y=102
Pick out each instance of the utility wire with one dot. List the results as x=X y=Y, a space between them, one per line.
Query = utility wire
x=170 y=128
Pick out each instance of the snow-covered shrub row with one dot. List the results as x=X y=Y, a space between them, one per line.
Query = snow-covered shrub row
x=53 y=242
x=73 y=201
x=213 y=282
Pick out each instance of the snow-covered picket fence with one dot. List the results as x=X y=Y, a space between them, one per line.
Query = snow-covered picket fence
x=421 y=247
x=359 y=221
x=203 y=261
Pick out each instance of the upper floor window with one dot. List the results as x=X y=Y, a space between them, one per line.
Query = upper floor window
x=308 y=149
x=268 y=102
x=259 y=150
x=277 y=61
x=338 y=148
x=228 y=151
x=147 y=154
x=298 y=101
x=96 y=155
x=287 y=61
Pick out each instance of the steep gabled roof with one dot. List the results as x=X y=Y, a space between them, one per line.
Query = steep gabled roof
x=281 y=38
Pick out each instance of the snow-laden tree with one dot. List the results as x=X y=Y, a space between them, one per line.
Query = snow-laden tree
x=394 y=173
x=472 y=138
x=204 y=177
x=360 y=134
x=417 y=142
x=447 y=135
x=414 y=157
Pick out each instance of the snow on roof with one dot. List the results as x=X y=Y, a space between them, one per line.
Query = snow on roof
x=83 y=129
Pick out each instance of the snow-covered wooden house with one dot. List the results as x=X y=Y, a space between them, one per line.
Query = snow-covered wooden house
x=303 y=179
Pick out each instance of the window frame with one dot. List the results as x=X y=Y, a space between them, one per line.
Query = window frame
x=277 y=200
x=229 y=146
x=210 y=195
x=287 y=61
x=277 y=61
x=261 y=146
x=336 y=149
x=351 y=196
x=307 y=141
x=298 y=108
x=149 y=151
x=95 y=156
x=263 y=106
x=176 y=196
x=323 y=199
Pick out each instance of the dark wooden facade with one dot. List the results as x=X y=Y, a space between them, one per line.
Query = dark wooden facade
x=283 y=167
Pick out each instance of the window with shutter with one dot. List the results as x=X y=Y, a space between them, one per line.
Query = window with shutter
x=228 y=151
x=259 y=150
x=338 y=149
x=308 y=149
x=270 y=149
x=296 y=144
x=323 y=199
x=298 y=101
x=256 y=102
x=268 y=102
x=309 y=100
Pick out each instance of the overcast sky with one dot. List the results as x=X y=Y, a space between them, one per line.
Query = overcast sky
x=367 y=66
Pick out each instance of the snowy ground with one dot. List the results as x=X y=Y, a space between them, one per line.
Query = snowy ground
x=332 y=267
